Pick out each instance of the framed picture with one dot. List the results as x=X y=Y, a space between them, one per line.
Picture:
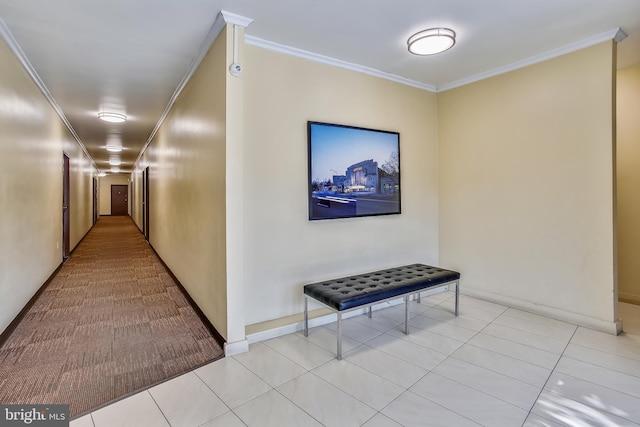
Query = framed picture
x=353 y=171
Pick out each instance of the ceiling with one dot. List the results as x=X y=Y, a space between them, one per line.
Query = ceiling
x=130 y=56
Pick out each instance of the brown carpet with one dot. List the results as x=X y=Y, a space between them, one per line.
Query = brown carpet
x=111 y=322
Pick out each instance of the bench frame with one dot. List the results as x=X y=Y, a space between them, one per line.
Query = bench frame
x=365 y=306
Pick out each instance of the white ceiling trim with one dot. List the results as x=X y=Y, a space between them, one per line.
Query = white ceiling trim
x=222 y=19
x=235 y=19
x=615 y=34
x=24 y=61
x=258 y=42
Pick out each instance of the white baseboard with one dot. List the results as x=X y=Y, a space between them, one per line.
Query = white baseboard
x=613 y=328
x=330 y=318
x=298 y=326
x=237 y=347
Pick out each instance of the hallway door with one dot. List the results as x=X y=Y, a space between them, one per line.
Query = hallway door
x=119 y=200
x=66 y=215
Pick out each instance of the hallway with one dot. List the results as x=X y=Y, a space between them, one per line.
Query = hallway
x=111 y=322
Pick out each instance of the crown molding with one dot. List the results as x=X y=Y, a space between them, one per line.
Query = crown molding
x=615 y=34
x=288 y=50
x=5 y=33
x=235 y=19
x=620 y=35
x=221 y=20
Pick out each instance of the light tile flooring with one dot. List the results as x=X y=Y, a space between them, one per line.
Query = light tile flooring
x=492 y=366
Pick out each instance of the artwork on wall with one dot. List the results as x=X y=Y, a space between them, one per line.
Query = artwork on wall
x=353 y=171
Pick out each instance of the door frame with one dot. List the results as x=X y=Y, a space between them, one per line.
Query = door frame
x=145 y=203
x=66 y=208
x=132 y=199
x=95 y=200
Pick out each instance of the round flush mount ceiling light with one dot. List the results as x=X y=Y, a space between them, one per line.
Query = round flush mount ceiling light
x=115 y=161
x=114 y=148
x=114 y=144
x=112 y=117
x=431 y=41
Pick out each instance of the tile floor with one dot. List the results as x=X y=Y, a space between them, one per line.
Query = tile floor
x=492 y=366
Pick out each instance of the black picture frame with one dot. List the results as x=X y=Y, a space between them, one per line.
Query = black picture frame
x=353 y=171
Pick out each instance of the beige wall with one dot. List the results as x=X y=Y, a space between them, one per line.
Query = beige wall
x=81 y=195
x=509 y=180
x=32 y=142
x=628 y=173
x=135 y=199
x=283 y=249
x=105 y=184
x=526 y=196
x=235 y=180
x=187 y=187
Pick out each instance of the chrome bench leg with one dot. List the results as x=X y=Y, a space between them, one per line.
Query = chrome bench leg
x=457 y=295
x=406 y=314
x=306 y=317
x=369 y=313
x=418 y=299
x=339 y=336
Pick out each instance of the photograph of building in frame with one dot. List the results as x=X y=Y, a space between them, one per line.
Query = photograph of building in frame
x=353 y=171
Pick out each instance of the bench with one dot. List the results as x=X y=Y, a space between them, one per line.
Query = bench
x=364 y=290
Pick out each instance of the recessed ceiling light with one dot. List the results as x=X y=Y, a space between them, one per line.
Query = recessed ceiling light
x=114 y=161
x=112 y=117
x=431 y=41
x=115 y=169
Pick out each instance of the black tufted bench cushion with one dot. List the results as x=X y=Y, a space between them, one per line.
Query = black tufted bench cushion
x=363 y=290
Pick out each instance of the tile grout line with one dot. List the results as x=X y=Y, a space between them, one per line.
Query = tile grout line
x=212 y=391
x=496 y=352
x=600 y=385
x=468 y=386
x=586 y=404
x=421 y=397
x=432 y=371
x=275 y=351
x=472 y=388
x=559 y=340
x=345 y=392
x=551 y=373
x=295 y=334
x=636 y=361
x=276 y=388
x=294 y=403
x=513 y=357
x=159 y=408
x=520 y=331
x=497 y=372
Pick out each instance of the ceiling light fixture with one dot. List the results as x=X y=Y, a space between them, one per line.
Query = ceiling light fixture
x=102 y=174
x=114 y=161
x=115 y=169
x=431 y=41
x=114 y=148
x=112 y=117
